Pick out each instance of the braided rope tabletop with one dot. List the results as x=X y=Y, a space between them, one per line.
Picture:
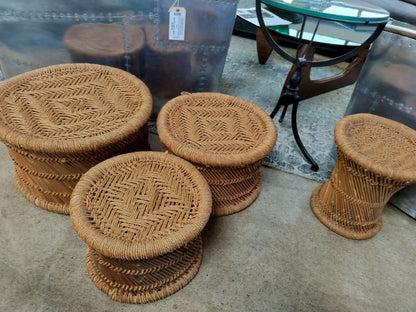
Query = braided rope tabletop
x=141 y=215
x=225 y=137
x=376 y=158
x=60 y=120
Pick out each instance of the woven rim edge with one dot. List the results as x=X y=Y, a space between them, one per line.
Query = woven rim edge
x=9 y=135
x=109 y=246
x=342 y=141
x=202 y=157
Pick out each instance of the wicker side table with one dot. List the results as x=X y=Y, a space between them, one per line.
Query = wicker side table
x=59 y=121
x=141 y=215
x=226 y=138
x=376 y=158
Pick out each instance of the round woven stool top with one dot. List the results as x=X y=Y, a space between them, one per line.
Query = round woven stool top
x=381 y=145
x=71 y=108
x=140 y=205
x=216 y=129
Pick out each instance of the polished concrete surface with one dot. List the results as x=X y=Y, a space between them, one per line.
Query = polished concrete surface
x=273 y=256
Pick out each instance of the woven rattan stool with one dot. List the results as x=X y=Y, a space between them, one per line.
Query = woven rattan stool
x=226 y=138
x=141 y=215
x=59 y=121
x=376 y=158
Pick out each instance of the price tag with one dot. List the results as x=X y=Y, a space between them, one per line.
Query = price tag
x=177 y=18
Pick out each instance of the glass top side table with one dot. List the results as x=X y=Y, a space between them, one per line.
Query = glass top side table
x=353 y=13
x=348 y=10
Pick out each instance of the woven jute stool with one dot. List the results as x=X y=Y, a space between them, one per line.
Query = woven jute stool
x=59 y=121
x=226 y=138
x=141 y=215
x=376 y=158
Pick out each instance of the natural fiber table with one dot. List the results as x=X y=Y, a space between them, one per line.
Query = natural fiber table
x=226 y=138
x=376 y=158
x=141 y=215
x=59 y=121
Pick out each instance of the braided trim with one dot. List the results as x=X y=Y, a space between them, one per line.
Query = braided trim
x=139 y=138
x=101 y=260
x=49 y=176
x=39 y=189
x=189 y=261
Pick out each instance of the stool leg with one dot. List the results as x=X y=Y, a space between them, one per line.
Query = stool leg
x=145 y=280
x=233 y=188
x=352 y=201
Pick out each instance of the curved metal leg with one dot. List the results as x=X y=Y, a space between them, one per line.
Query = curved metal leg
x=314 y=165
x=283 y=100
x=283 y=112
x=276 y=109
x=290 y=96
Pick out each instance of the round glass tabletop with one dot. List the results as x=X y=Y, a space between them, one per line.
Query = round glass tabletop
x=354 y=11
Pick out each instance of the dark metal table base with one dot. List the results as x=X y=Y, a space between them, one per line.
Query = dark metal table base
x=290 y=93
x=290 y=96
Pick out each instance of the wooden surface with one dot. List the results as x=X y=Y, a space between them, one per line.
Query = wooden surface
x=308 y=87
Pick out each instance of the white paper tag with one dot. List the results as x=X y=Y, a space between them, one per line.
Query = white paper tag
x=177 y=18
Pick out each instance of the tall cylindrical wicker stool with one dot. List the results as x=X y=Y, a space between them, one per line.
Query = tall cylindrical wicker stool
x=141 y=215
x=59 y=121
x=226 y=138
x=376 y=158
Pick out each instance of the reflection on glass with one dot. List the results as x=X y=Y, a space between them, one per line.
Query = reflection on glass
x=38 y=33
x=338 y=10
x=351 y=10
x=370 y=14
x=335 y=33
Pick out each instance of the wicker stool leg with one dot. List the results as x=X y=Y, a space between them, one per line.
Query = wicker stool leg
x=146 y=280
x=233 y=188
x=47 y=179
x=351 y=202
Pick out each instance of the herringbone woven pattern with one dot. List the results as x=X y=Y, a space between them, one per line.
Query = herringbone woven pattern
x=226 y=138
x=141 y=214
x=376 y=158
x=140 y=205
x=216 y=129
x=59 y=121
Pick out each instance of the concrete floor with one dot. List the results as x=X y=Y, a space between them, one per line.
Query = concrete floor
x=273 y=256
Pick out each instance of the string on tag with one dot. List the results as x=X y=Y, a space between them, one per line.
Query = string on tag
x=175 y=3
